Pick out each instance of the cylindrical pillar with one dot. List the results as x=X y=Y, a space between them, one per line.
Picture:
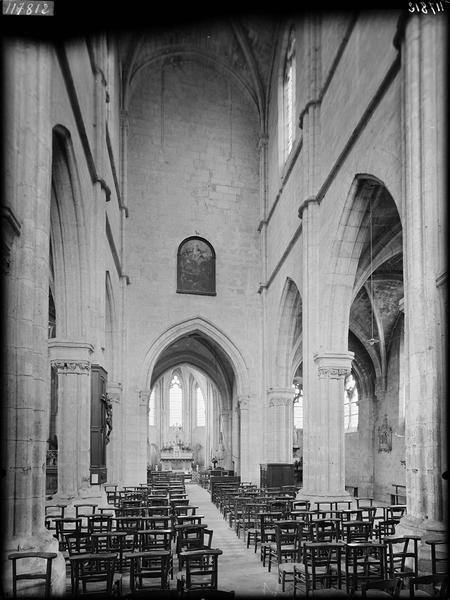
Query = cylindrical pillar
x=73 y=363
x=325 y=475
x=423 y=69
x=26 y=402
x=244 y=434
x=280 y=416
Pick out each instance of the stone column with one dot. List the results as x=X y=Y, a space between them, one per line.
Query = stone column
x=324 y=477
x=73 y=427
x=26 y=396
x=244 y=433
x=235 y=441
x=280 y=417
x=226 y=432
x=424 y=123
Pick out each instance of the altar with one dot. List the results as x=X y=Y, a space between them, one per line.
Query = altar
x=177 y=458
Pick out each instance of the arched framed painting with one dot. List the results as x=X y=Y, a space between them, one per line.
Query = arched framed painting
x=196 y=267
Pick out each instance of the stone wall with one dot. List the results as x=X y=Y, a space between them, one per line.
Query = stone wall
x=193 y=170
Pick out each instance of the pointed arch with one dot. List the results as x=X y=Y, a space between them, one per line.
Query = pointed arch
x=68 y=239
x=289 y=334
x=206 y=328
x=349 y=240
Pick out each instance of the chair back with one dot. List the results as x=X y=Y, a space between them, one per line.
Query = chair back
x=201 y=569
x=36 y=565
x=402 y=556
x=323 y=530
x=364 y=562
x=154 y=564
x=93 y=569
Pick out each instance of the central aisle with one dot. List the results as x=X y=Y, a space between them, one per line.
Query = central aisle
x=240 y=569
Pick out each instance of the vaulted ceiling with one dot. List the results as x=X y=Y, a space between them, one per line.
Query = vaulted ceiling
x=240 y=47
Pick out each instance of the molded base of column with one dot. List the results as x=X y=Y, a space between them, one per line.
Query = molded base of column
x=428 y=530
x=44 y=542
x=312 y=497
x=90 y=495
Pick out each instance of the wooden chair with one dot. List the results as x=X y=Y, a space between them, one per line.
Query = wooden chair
x=153 y=564
x=77 y=544
x=385 y=588
x=267 y=532
x=439 y=560
x=117 y=542
x=129 y=524
x=201 y=570
x=385 y=528
x=324 y=530
x=66 y=526
x=402 y=557
x=320 y=569
x=83 y=511
x=285 y=551
x=98 y=523
x=356 y=531
x=364 y=562
x=93 y=569
x=190 y=538
x=40 y=564
x=52 y=512
x=155 y=539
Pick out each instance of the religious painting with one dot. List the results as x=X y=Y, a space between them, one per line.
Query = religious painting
x=196 y=267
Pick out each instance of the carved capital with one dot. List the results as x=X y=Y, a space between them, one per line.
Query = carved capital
x=334 y=365
x=71 y=367
x=333 y=372
x=280 y=396
x=281 y=401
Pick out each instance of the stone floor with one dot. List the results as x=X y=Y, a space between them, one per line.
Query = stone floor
x=240 y=569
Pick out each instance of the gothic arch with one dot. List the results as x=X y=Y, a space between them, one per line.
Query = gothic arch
x=206 y=328
x=68 y=239
x=289 y=330
x=345 y=252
